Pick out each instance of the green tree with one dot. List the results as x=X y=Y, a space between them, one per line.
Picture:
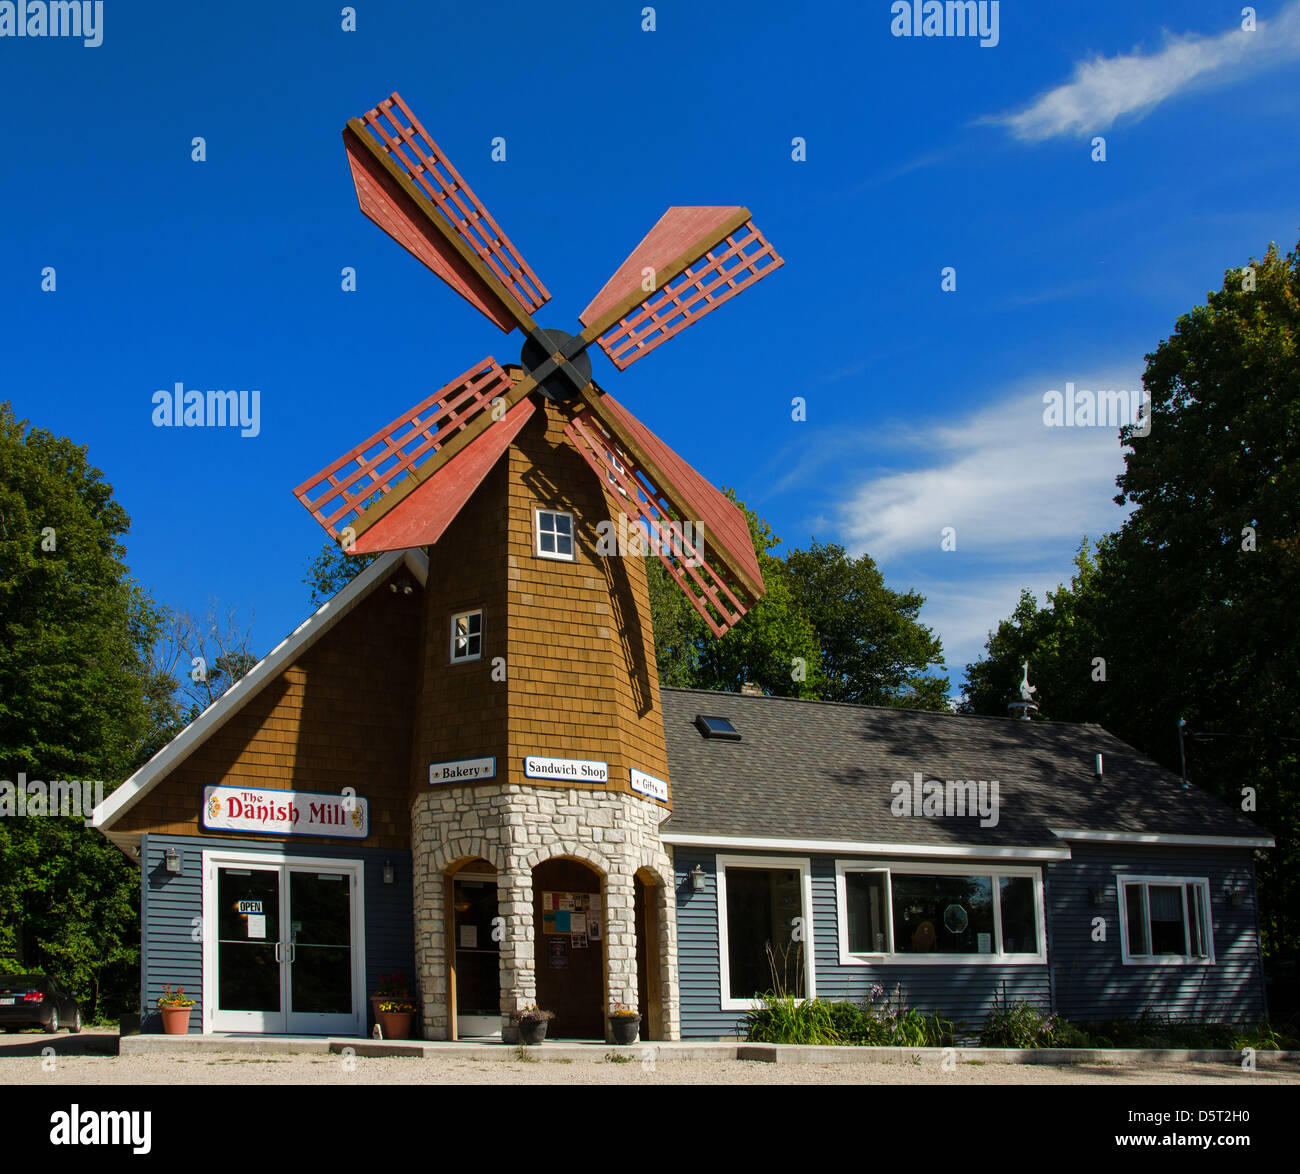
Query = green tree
x=873 y=649
x=332 y=570
x=79 y=700
x=1192 y=603
x=773 y=646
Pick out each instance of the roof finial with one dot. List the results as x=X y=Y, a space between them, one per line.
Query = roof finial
x=1026 y=705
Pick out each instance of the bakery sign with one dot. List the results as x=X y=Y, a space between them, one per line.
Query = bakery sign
x=285 y=813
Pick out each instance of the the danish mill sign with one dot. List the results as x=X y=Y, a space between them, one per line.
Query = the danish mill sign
x=537 y=766
x=285 y=813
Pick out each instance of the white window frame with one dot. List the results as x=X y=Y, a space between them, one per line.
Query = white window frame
x=461 y=615
x=572 y=557
x=891 y=958
x=1124 y=879
x=727 y=1001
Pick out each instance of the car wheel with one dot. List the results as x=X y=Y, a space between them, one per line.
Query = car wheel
x=75 y=1025
x=53 y=1025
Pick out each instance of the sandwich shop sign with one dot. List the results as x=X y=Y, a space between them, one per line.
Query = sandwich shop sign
x=285 y=813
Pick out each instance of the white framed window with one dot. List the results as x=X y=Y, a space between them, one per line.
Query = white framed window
x=555 y=535
x=466 y=636
x=1165 y=920
x=939 y=914
x=765 y=933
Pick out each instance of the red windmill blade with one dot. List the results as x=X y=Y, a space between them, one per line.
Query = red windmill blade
x=404 y=485
x=408 y=187
x=693 y=259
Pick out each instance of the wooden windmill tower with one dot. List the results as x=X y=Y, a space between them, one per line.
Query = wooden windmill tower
x=514 y=475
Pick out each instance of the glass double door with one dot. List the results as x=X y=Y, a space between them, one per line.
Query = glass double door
x=285 y=948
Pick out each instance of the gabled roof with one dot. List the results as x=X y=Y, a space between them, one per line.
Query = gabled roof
x=242 y=691
x=818 y=771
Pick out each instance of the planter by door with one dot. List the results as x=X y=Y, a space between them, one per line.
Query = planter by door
x=625 y=1029
x=396 y=1024
x=175 y=1020
x=532 y=1031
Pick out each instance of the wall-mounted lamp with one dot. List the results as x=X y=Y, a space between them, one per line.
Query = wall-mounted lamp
x=389 y=874
x=1098 y=896
x=172 y=861
x=697 y=875
x=1236 y=899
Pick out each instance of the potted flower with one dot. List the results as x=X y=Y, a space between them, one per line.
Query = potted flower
x=532 y=1021
x=391 y=988
x=625 y=1022
x=175 y=1010
x=395 y=1018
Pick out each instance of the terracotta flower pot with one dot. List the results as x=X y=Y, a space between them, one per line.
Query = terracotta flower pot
x=175 y=1020
x=625 y=1028
x=396 y=1024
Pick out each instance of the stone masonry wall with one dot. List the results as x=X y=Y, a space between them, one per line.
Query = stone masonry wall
x=515 y=828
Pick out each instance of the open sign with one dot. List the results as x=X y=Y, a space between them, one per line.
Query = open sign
x=250 y=906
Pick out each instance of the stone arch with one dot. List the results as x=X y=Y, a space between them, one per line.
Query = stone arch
x=573 y=850
x=464 y=848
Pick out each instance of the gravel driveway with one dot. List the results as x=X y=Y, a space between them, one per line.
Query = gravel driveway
x=241 y=1068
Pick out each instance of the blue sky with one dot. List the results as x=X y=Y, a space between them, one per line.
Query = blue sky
x=924 y=407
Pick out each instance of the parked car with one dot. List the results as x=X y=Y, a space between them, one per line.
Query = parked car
x=36 y=1000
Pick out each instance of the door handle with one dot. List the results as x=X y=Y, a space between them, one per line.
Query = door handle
x=293 y=953
x=277 y=952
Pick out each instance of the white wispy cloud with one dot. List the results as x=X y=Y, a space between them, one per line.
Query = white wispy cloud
x=1013 y=488
x=1105 y=88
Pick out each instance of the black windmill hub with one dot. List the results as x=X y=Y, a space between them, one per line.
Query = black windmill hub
x=558 y=362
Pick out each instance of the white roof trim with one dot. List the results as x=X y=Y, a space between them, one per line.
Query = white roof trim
x=857 y=847
x=1164 y=838
x=267 y=669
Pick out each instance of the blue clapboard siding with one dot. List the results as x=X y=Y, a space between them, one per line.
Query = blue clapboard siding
x=1092 y=983
x=172 y=906
x=960 y=993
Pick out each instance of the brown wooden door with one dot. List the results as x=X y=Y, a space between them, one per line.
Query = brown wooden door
x=570 y=974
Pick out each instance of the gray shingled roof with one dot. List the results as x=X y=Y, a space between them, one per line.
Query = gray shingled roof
x=817 y=770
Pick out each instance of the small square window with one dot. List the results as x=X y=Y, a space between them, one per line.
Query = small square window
x=466 y=636
x=555 y=535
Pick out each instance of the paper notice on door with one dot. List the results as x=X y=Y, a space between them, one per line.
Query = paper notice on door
x=469 y=937
x=257 y=925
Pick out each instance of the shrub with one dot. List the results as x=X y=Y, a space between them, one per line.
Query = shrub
x=785 y=1020
x=1022 y=1025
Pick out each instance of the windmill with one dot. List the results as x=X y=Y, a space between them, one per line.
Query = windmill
x=403 y=486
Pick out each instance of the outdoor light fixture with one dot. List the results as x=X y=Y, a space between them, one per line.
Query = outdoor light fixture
x=1098 y=896
x=388 y=872
x=173 y=861
x=697 y=879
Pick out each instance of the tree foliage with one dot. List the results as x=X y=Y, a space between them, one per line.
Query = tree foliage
x=1192 y=604
x=828 y=628
x=79 y=700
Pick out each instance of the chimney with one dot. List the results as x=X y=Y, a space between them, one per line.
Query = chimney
x=750 y=689
x=1097 y=768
